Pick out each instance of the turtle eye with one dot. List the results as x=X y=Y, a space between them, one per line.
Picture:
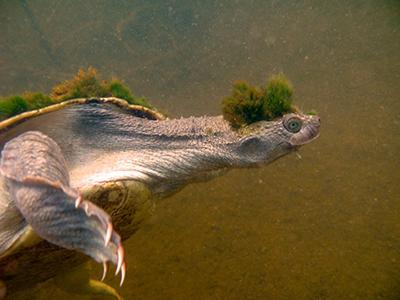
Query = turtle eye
x=293 y=125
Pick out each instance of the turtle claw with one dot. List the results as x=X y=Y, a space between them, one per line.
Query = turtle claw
x=78 y=201
x=108 y=234
x=111 y=239
x=105 y=268
x=123 y=272
x=121 y=255
x=121 y=265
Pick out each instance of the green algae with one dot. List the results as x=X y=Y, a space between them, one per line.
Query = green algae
x=248 y=104
x=85 y=84
x=89 y=84
x=16 y=104
x=117 y=89
x=11 y=106
x=279 y=93
x=312 y=113
x=36 y=100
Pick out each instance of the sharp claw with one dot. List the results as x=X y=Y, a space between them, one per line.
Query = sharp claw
x=121 y=266
x=78 y=201
x=105 y=268
x=86 y=208
x=108 y=234
x=121 y=255
x=123 y=272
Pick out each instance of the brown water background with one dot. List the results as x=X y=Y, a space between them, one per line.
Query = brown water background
x=326 y=226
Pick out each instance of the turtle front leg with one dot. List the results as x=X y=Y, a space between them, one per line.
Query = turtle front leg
x=38 y=181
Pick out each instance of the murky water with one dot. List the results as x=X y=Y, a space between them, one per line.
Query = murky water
x=326 y=226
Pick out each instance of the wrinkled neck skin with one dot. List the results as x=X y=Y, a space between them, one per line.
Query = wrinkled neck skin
x=192 y=150
x=167 y=154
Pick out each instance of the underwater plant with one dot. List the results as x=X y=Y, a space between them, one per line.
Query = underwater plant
x=14 y=105
x=11 y=106
x=85 y=84
x=117 y=89
x=279 y=92
x=82 y=85
x=88 y=84
x=248 y=104
x=36 y=100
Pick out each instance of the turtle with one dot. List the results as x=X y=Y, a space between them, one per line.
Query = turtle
x=79 y=177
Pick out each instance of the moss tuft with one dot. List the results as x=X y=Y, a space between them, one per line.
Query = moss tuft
x=14 y=105
x=279 y=93
x=88 y=84
x=85 y=84
x=117 y=89
x=36 y=100
x=248 y=104
x=11 y=106
x=312 y=113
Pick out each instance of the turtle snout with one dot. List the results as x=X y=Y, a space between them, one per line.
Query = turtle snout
x=316 y=121
x=309 y=132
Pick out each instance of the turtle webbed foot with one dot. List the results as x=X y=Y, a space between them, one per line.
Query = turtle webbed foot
x=38 y=182
x=112 y=240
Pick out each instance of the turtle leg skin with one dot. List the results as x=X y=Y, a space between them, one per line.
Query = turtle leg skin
x=38 y=181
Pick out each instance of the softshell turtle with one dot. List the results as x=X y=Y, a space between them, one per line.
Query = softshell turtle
x=80 y=176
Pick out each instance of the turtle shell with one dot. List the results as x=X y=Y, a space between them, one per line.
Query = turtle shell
x=136 y=110
x=58 y=120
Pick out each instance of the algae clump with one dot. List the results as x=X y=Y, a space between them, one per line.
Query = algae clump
x=11 y=106
x=117 y=89
x=36 y=100
x=248 y=104
x=14 y=105
x=88 y=84
x=279 y=94
x=84 y=84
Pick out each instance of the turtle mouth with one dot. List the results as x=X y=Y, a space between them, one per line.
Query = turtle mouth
x=309 y=133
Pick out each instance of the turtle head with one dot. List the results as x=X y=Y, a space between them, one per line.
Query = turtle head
x=265 y=141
